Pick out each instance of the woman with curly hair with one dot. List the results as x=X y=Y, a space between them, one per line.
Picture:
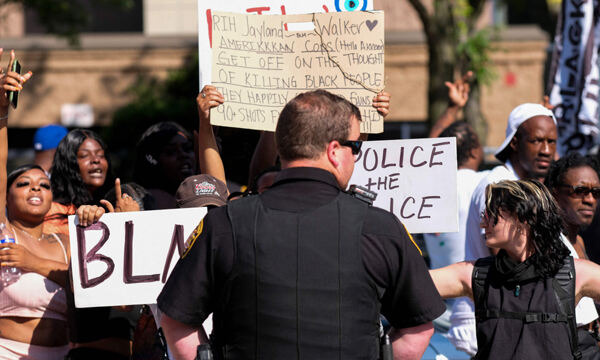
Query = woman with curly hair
x=525 y=295
x=80 y=172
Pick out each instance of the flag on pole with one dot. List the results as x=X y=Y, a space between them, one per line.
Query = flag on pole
x=573 y=84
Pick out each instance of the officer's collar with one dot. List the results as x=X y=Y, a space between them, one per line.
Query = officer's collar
x=306 y=173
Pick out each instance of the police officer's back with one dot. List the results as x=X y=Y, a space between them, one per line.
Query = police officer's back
x=303 y=270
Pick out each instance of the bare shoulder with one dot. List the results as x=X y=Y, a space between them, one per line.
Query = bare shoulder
x=584 y=268
x=587 y=278
x=55 y=243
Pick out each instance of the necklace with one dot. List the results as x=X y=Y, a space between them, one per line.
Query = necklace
x=28 y=234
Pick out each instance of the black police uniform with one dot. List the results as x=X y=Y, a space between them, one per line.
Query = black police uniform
x=301 y=271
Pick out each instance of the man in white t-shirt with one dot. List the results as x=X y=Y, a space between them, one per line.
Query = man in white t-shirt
x=526 y=153
x=449 y=248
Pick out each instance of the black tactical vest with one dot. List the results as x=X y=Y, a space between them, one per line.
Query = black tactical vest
x=298 y=288
x=532 y=320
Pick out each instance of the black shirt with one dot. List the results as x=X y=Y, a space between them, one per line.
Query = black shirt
x=390 y=257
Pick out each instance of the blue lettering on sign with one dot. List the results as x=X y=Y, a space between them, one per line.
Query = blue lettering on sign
x=351 y=5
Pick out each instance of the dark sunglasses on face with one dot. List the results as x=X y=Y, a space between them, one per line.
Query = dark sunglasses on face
x=583 y=190
x=354 y=145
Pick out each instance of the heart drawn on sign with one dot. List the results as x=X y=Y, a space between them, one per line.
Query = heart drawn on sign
x=371 y=24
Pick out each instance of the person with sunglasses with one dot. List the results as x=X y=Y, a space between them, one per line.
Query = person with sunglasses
x=525 y=295
x=574 y=181
x=313 y=266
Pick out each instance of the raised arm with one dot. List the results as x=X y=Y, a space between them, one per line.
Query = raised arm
x=453 y=280
x=9 y=81
x=209 y=159
x=458 y=95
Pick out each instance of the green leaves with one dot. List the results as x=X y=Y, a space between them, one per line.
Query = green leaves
x=474 y=53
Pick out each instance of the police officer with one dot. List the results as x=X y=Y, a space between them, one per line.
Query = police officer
x=303 y=270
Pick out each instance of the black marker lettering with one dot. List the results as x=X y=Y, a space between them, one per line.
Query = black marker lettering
x=84 y=258
x=128 y=276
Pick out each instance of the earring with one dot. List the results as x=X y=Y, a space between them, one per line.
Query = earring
x=151 y=160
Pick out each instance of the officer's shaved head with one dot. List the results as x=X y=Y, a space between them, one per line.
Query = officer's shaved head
x=310 y=121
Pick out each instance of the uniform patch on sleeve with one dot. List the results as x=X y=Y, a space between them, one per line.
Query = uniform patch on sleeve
x=192 y=238
x=413 y=241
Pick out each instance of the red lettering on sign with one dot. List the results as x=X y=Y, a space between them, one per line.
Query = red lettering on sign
x=258 y=10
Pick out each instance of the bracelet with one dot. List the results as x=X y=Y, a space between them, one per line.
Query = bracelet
x=4 y=117
x=3 y=121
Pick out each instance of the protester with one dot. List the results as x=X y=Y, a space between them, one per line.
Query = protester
x=165 y=154
x=525 y=295
x=81 y=175
x=45 y=142
x=164 y=158
x=317 y=137
x=526 y=153
x=574 y=182
x=33 y=310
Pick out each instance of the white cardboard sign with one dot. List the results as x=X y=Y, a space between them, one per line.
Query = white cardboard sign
x=125 y=258
x=259 y=66
x=280 y=7
x=414 y=179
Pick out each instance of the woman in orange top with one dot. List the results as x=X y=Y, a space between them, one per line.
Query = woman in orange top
x=80 y=172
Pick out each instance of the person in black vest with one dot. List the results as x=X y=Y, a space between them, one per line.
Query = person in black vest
x=304 y=269
x=525 y=295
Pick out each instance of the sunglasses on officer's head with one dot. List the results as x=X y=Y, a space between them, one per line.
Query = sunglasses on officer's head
x=583 y=190
x=354 y=145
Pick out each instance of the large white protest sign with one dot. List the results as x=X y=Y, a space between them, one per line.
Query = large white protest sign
x=414 y=179
x=281 y=7
x=125 y=258
x=259 y=66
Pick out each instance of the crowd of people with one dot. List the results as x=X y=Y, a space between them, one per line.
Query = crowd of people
x=295 y=266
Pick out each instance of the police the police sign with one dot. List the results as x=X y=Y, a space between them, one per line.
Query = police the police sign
x=414 y=179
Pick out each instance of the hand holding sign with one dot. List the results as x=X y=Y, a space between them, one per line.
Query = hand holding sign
x=89 y=214
x=208 y=98
x=381 y=102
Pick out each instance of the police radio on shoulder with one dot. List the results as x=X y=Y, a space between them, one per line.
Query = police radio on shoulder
x=362 y=193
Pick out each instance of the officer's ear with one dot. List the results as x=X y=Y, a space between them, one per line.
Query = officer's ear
x=333 y=151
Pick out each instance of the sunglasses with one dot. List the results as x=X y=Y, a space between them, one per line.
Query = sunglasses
x=354 y=145
x=583 y=190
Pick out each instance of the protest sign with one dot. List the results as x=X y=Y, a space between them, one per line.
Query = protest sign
x=280 y=7
x=414 y=179
x=125 y=258
x=259 y=66
x=573 y=83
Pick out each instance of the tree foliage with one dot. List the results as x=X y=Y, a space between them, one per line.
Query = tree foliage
x=455 y=46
